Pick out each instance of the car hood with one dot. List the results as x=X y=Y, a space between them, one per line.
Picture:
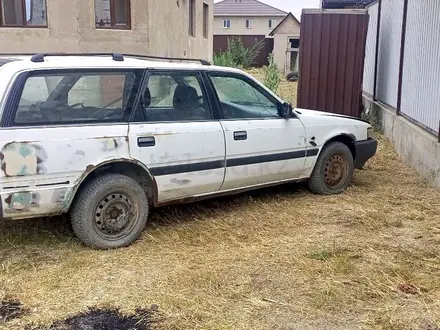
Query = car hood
x=315 y=113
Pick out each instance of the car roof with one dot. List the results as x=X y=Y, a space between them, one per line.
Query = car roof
x=24 y=62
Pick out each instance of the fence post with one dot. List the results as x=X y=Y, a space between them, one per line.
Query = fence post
x=402 y=56
x=376 y=55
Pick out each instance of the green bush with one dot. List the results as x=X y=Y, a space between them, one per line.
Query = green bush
x=224 y=59
x=237 y=55
x=272 y=75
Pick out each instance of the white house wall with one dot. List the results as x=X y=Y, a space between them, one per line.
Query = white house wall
x=238 y=25
x=389 y=51
x=370 y=51
x=421 y=75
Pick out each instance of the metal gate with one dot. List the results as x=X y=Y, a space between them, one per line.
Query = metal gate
x=331 y=60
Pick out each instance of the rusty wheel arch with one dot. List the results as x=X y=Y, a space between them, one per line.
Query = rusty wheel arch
x=130 y=167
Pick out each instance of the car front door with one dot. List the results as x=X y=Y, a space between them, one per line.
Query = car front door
x=175 y=135
x=261 y=146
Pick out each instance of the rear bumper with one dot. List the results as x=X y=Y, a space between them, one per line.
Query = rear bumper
x=364 y=151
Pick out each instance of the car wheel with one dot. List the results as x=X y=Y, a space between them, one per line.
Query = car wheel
x=110 y=212
x=333 y=171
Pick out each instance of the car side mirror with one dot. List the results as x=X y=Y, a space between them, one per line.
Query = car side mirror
x=287 y=110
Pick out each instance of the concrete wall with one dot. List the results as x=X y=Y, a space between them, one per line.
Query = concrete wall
x=157 y=28
x=418 y=148
x=169 y=29
x=238 y=25
x=289 y=28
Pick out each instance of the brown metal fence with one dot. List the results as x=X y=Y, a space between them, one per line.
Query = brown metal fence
x=331 y=60
x=221 y=44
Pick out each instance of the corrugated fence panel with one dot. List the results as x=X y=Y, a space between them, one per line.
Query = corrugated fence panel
x=389 y=51
x=370 y=50
x=331 y=60
x=421 y=74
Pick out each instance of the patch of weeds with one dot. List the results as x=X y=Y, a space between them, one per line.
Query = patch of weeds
x=103 y=319
x=321 y=255
x=272 y=75
x=327 y=254
x=11 y=309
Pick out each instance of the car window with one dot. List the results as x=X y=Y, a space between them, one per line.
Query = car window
x=239 y=99
x=110 y=87
x=75 y=97
x=175 y=97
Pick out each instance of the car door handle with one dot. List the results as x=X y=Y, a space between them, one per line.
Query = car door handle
x=148 y=141
x=240 y=135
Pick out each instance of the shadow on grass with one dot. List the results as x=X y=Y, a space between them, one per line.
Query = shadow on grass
x=56 y=232
x=112 y=318
x=11 y=309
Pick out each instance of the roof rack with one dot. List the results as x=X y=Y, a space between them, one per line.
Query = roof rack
x=203 y=62
x=39 y=57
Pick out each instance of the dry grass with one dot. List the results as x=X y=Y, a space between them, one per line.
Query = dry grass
x=280 y=258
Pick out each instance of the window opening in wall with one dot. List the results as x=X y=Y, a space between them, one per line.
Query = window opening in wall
x=192 y=17
x=226 y=23
x=205 y=20
x=294 y=42
x=23 y=13
x=112 y=14
x=249 y=24
x=272 y=23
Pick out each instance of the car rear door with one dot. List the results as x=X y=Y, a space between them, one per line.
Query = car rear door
x=175 y=134
x=261 y=146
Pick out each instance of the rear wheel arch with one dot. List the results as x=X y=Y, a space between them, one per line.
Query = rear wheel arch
x=129 y=167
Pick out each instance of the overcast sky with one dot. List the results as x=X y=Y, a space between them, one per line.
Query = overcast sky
x=295 y=6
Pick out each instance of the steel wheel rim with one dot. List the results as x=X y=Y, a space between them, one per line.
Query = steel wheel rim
x=115 y=216
x=336 y=171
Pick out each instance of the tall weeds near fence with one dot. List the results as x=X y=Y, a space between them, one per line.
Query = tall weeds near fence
x=238 y=55
x=272 y=75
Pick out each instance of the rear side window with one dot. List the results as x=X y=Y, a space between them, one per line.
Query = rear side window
x=77 y=97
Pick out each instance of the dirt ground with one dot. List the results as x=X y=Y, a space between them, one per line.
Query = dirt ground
x=279 y=258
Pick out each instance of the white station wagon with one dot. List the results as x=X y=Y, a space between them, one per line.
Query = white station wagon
x=106 y=137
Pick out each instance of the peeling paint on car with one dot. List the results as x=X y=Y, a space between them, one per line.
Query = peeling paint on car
x=21 y=201
x=22 y=158
x=110 y=144
x=60 y=195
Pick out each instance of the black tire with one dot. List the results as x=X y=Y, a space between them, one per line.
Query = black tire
x=335 y=157
x=292 y=76
x=104 y=205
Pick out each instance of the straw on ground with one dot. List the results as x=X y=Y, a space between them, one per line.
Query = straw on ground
x=279 y=258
